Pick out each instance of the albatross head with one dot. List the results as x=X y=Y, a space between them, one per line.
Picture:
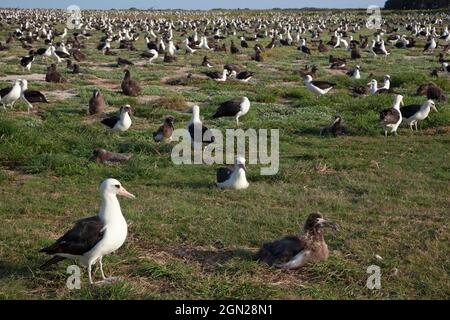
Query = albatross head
x=114 y=187
x=308 y=78
x=240 y=162
x=315 y=222
x=24 y=84
x=432 y=105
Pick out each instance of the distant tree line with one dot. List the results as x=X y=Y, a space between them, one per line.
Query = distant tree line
x=416 y=4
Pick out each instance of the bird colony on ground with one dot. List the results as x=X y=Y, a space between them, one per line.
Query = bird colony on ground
x=163 y=38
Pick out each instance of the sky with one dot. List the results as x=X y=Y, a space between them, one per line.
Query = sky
x=190 y=4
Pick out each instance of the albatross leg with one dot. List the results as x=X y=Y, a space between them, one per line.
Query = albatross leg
x=90 y=273
x=101 y=268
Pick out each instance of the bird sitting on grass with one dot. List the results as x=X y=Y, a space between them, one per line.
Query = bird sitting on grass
x=295 y=251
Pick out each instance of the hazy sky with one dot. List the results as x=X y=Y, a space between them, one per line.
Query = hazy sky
x=189 y=4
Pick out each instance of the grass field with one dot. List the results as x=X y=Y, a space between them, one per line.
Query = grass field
x=188 y=239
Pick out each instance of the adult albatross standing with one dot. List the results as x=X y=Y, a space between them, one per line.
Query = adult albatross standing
x=392 y=117
x=93 y=238
x=236 y=107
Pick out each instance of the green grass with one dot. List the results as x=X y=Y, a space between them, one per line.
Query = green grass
x=187 y=239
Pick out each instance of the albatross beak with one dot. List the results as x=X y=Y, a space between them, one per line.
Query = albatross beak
x=125 y=193
x=326 y=223
x=434 y=108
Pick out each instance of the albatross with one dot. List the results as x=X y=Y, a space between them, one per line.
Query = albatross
x=233 y=177
x=93 y=238
x=121 y=123
x=236 y=107
x=198 y=132
x=392 y=117
x=318 y=87
x=10 y=95
x=295 y=251
x=413 y=113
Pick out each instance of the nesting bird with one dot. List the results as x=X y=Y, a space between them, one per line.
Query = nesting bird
x=53 y=75
x=318 y=87
x=121 y=123
x=217 y=76
x=129 y=86
x=103 y=156
x=336 y=128
x=295 y=251
x=164 y=132
x=355 y=73
x=96 y=103
x=243 y=76
x=93 y=238
x=233 y=177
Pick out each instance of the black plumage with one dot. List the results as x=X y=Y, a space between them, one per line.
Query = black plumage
x=207 y=136
x=336 y=129
x=389 y=116
x=80 y=239
x=124 y=62
x=223 y=174
x=111 y=122
x=229 y=108
x=410 y=110
x=322 y=84
x=244 y=75
x=33 y=96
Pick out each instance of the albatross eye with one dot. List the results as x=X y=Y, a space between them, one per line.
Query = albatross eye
x=117 y=186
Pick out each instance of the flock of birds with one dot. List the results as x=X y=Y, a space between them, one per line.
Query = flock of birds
x=37 y=32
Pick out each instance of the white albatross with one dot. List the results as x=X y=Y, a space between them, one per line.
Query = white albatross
x=235 y=178
x=93 y=238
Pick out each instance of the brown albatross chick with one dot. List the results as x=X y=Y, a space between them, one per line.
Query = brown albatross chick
x=164 y=132
x=129 y=86
x=106 y=157
x=293 y=252
x=53 y=75
x=96 y=103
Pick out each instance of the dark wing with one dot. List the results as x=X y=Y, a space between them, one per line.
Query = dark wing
x=80 y=239
x=207 y=136
x=280 y=250
x=110 y=122
x=389 y=116
x=5 y=91
x=228 y=108
x=34 y=96
x=223 y=174
x=213 y=74
x=158 y=135
x=62 y=54
x=245 y=75
x=409 y=111
x=323 y=84
x=383 y=91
